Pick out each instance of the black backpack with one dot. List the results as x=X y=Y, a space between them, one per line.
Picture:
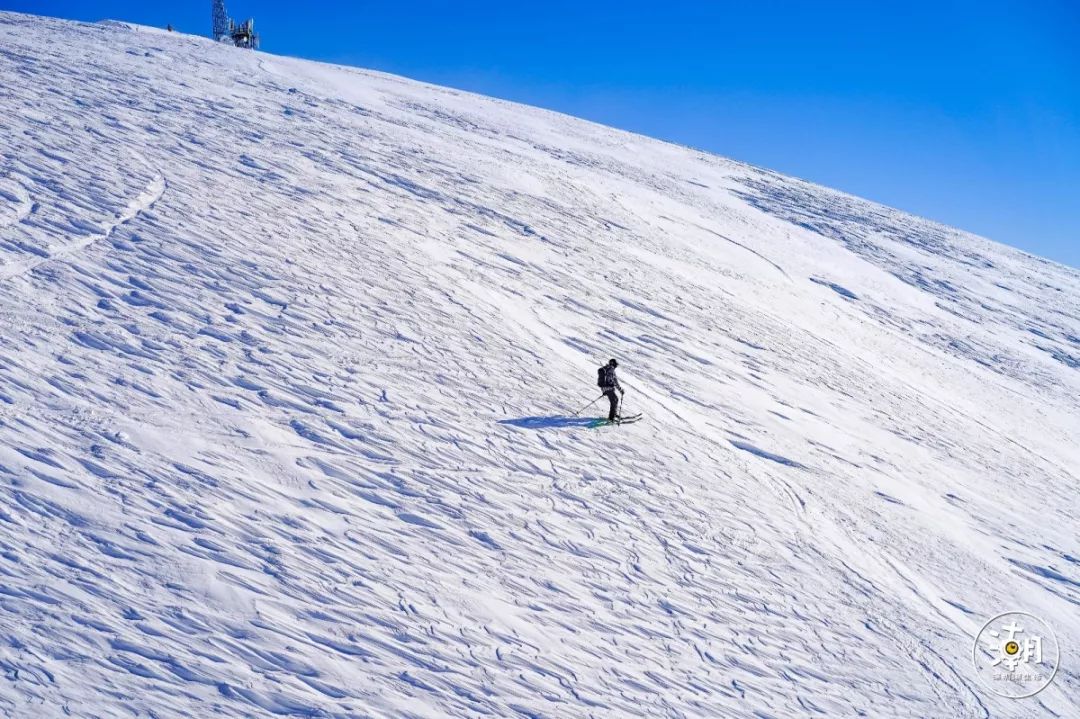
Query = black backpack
x=602 y=377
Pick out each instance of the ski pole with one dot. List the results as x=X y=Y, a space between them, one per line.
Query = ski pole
x=590 y=404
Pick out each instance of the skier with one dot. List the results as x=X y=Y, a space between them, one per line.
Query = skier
x=609 y=384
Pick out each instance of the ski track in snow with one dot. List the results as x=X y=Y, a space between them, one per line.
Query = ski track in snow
x=16 y=206
x=144 y=201
x=287 y=431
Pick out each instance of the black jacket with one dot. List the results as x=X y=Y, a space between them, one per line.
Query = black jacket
x=607 y=379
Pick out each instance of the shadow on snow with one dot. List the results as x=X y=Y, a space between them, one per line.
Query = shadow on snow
x=549 y=422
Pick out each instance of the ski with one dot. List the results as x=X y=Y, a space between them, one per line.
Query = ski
x=605 y=422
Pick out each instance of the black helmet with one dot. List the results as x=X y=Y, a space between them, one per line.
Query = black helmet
x=613 y=362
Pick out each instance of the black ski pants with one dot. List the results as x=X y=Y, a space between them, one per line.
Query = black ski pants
x=613 y=398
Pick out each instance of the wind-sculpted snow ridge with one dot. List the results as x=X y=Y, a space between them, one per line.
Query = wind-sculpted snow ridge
x=289 y=359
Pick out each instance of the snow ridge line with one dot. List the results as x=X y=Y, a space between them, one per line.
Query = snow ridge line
x=141 y=203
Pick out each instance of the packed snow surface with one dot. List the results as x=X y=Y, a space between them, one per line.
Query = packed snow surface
x=288 y=363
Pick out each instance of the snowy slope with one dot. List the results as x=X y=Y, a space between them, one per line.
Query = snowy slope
x=287 y=359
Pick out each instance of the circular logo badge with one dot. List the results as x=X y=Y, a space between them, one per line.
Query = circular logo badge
x=1016 y=655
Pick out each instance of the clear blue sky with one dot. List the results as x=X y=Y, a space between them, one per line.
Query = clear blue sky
x=964 y=112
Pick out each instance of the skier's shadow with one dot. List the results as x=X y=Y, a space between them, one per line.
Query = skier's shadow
x=549 y=422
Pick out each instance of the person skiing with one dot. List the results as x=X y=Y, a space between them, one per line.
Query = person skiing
x=609 y=384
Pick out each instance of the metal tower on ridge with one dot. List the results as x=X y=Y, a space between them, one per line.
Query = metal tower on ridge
x=226 y=29
x=221 y=21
